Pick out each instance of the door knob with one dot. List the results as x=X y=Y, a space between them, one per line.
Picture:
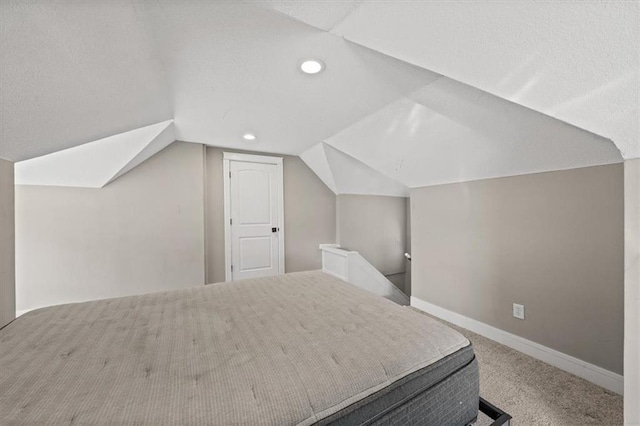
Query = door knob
x=275 y=229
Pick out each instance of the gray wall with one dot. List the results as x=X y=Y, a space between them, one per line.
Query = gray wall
x=7 y=244
x=551 y=241
x=143 y=232
x=309 y=214
x=376 y=227
x=632 y=291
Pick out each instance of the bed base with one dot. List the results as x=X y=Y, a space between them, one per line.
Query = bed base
x=498 y=416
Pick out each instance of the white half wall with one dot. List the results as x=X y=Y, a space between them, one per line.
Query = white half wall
x=142 y=233
x=353 y=268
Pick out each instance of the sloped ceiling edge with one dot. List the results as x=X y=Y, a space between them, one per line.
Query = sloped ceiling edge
x=91 y=165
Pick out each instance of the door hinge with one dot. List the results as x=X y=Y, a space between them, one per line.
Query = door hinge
x=231 y=268
x=230 y=221
x=229 y=174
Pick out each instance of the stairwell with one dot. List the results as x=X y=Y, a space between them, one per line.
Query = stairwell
x=353 y=268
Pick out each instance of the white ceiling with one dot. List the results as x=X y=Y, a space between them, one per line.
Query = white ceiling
x=575 y=61
x=421 y=92
x=235 y=68
x=74 y=72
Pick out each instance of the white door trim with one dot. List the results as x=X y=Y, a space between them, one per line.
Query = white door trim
x=227 y=157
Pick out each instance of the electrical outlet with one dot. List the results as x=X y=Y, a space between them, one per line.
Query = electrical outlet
x=518 y=311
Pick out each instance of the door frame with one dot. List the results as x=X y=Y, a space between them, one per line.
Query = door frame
x=227 y=158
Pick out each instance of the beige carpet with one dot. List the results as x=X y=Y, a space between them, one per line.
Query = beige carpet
x=536 y=393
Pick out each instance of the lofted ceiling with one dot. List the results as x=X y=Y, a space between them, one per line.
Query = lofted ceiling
x=450 y=132
x=575 y=61
x=413 y=94
x=74 y=72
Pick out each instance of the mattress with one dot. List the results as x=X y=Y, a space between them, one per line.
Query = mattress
x=302 y=348
x=443 y=393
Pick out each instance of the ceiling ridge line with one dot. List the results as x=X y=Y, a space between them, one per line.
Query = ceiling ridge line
x=294 y=19
x=347 y=16
x=331 y=172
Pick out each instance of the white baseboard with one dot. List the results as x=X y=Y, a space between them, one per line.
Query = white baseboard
x=18 y=313
x=598 y=375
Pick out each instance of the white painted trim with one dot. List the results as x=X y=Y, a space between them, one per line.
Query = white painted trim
x=227 y=157
x=205 y=244
x=251 y=158
x=281 y=233
x=598 y=375
x=227 y=215
x=337 y=250
x=322 y=246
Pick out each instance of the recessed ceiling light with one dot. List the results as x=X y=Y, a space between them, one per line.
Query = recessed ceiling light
x=249 y=137
x=311 y=66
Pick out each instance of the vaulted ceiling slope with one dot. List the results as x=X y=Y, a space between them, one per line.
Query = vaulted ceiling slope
x=575 y=61
x=73 y=72
x=450 y=132
x=417 y=93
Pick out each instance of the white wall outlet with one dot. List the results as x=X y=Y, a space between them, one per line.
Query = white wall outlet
x=518 y=311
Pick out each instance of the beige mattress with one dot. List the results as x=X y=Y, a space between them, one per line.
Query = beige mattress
x=292 y=349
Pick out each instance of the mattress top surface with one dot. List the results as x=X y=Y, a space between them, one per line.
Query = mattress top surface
x=291 y=349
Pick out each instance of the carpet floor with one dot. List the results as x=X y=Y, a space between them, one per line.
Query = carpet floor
x=536 y=393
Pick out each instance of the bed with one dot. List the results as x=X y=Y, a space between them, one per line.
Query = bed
x=302 y=348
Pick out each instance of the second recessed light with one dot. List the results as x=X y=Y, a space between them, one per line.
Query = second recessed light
x=249 y=137
x=312 y=66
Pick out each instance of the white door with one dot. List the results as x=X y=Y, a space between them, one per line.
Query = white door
x=254 y=222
